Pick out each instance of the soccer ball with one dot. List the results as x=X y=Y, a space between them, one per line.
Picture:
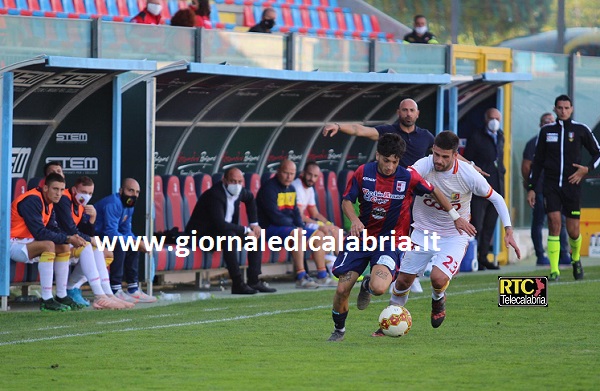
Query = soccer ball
x=395 y=321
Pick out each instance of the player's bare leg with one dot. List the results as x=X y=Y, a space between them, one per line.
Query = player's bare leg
x=340 y=305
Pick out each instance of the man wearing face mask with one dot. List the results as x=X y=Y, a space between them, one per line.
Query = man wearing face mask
x=217 y=213
x=485 y=148
x=267 y=22
x=420 y=33
x=113 y=219
x=152 y=14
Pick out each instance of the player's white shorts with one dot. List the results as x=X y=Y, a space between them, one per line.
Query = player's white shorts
x=451 y=252
x=18 y=250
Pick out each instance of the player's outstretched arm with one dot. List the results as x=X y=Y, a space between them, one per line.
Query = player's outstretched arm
x=461 y=224
x=509 y=240
x=351 y=129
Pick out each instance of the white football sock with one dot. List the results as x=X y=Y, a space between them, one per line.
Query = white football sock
x=46 y=272
x=399 y=297
x=102 y=271
x=88 y=266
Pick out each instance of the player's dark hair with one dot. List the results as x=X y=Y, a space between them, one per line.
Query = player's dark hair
x=391 y=144
x=84 y=180
x=562 y=97
x=52 y=163
x=310 y=164
x=447 y=140
x=53 y=177
x=417 y=17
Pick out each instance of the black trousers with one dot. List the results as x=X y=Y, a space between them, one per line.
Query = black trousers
x=232 y=262
x=483 y=218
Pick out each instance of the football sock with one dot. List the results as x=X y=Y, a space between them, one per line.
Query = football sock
x=554 y=253
x=108 y=261
x=575 y=248
x=75 y=277
x=46 y=272
x=300 y=274
x=61 y=273
x=322 y=273
x=399 y=297
x=339 y=320
x=437 y=294
x=88 y=266
x=103 y=271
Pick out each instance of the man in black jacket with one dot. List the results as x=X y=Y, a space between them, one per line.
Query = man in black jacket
x=217 y=214
x=558 y=153
x=485 y=148
x=266 y=23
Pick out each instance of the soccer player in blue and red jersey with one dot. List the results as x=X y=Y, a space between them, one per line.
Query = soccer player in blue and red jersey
x=385 y=192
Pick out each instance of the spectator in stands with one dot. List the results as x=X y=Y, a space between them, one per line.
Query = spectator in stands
x=266 y=23
x=306 y=202
x=217 y=214
x=32 y=241
x=539 y=214
x=485 y=147
x=184 y=18
x=201 y=10
x=278 y=214
x=420 y=33
x=152 y=14
x=75 y=216
x=113 y=219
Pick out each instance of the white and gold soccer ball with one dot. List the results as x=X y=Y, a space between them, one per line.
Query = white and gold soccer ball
x=395 y=321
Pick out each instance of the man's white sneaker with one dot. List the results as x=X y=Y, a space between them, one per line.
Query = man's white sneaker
x=327 y=282
x=141 y=297
x=306 y=283
x=125 y=297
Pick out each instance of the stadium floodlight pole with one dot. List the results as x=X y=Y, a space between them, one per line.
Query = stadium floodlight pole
x=454 y=20
x=560 y=27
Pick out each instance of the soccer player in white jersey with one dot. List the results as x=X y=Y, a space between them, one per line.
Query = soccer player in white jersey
x=458 y=181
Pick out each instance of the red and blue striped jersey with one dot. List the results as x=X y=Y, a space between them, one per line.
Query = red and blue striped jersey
x=385 y=201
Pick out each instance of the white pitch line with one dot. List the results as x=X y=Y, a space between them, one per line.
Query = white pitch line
x=257 y=315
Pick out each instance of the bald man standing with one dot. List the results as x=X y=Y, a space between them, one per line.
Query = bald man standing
x=113 y=219
x=418 y=140
x=485 y=148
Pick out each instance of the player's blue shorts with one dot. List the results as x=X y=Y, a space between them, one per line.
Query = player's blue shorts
x=284 y=231
x=358 y=261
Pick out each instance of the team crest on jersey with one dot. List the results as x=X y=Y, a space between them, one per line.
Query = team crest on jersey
x=455 y=197
x=400 y=186
x=571 y=136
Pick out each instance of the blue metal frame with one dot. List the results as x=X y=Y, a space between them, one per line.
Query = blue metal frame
x=5 y=181
x=319 y=76
x=116 y=134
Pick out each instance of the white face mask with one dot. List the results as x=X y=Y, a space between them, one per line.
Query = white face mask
x=493 y=125
x=82 y=198
x=154 y=9
x=421 y=30
x=234 y=188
